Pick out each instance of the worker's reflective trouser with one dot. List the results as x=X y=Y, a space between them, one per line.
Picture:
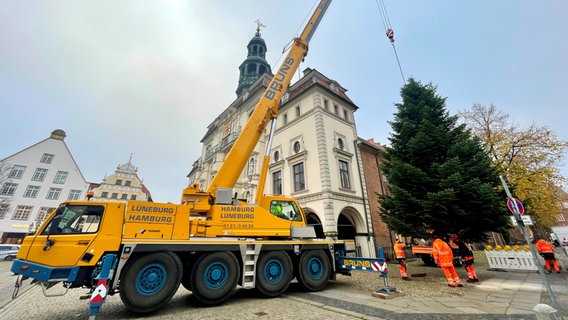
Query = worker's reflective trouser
x=402 y=267
x=452 y=276
x=550 y=259
x=468 y=264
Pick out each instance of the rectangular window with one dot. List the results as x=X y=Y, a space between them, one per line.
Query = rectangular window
x=118 y=182
x=325 y=104
x=47 y=158
x=60 y=177
x=124 y=196
x=277 y=182
x=4 y=207
x=17 y=172
x=42 y=214
x=104 y=194
x=133 y=197
x=336 y=109
x=346 y=115
x=344 y=174
x=8 y=189
x=284 y=119
x=31 y=192
x=114 y=195
x=299 y=180
x=22 y=213
x=298 y=111
x=53 y=193
x=39 y=174
x=127 y=183
x=74 y=195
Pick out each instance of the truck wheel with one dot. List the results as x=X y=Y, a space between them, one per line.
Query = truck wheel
x=428 y=260
x=313 y=270
x=274 y=273
x=150 y=281
x=214 y=277
x=186 y=279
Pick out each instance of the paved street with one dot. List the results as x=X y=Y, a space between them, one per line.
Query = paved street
x=7 y=281
x=506 y=295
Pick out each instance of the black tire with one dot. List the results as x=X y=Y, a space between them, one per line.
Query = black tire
x=149 y=281
x=458 y=262
x=186 y=280
x=9 y=258
x=273 y=273
x=428 y=260
x=214 y=277
x=313 y=270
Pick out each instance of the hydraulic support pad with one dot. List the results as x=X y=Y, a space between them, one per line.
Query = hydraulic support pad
x=99 y=293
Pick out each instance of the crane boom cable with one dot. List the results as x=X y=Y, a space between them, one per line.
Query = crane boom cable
x=398 y=61
x=384 y=14
x=389 y=32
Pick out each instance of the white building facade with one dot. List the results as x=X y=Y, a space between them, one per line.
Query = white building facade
x=314 y=155
x=33 y=182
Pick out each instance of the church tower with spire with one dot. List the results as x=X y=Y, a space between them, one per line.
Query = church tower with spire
x=255 y=64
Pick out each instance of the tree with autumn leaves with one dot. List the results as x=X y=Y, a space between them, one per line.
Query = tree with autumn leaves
x=528 y=158
x=440 y=176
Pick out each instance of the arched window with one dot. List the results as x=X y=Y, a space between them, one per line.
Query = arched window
x=251 y=69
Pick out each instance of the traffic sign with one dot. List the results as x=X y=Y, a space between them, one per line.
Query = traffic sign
x=519 y=206
x=527 y=220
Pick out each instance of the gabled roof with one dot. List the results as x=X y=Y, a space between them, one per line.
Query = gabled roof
x=57 y=134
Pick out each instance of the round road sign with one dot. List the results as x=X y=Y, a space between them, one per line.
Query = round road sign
x=519 y=206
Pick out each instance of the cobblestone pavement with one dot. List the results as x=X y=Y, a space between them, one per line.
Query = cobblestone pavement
x=500 y=295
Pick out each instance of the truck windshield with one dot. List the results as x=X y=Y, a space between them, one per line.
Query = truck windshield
x=75 y=219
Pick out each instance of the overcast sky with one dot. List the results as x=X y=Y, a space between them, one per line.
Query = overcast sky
x=148 y=77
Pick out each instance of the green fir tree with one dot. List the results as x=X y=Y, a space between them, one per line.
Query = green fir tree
x=440 y=178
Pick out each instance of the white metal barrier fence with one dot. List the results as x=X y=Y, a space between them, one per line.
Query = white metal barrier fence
x=516 y=260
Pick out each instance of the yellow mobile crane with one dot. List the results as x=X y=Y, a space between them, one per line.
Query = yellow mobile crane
x=210 y=243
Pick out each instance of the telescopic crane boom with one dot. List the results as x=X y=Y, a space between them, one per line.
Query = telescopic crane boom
x=267 y=108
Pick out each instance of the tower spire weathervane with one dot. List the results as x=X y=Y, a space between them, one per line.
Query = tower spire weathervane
x=259 y=25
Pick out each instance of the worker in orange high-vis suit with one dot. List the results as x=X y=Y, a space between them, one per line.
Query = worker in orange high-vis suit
x=547 y=252
x=401 y=257
x=467 y=256
x=444 y=258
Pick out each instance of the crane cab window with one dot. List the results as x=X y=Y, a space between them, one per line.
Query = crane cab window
x=75 y=220
x=285 y=210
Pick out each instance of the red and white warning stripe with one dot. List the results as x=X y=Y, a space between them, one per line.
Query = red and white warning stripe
x=377 y=266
